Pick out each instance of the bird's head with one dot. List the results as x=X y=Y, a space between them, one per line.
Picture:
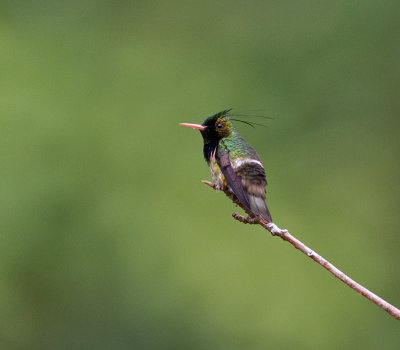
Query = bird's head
x=214 y=128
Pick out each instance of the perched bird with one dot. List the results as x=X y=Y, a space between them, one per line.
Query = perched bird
x=235 y=165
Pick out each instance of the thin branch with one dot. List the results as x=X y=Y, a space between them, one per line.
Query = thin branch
x=286 y=236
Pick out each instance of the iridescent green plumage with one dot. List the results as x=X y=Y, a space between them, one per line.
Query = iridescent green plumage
x=235 y=165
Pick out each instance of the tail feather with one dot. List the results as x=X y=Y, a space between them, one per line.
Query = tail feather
x=259 y=207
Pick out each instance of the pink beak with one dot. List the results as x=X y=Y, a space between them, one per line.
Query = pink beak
x=195 y=126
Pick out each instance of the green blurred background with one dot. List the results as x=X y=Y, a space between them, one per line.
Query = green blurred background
x=108 y=238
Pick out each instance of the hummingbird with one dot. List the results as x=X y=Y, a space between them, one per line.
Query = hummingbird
x=235 y=165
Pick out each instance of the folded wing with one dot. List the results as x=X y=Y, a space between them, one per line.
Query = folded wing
x=246 y=178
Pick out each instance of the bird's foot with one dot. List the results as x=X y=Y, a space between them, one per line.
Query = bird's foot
x=209 y=184
x=274 y=229
x=245 y=220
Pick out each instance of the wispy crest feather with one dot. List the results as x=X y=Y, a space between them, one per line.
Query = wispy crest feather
x=247 y=115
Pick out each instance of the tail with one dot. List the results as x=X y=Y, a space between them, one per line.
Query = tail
x=259 y=207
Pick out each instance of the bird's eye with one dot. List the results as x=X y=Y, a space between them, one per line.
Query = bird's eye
x=220 y=126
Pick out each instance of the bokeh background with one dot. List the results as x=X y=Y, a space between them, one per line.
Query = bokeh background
x=109 y=240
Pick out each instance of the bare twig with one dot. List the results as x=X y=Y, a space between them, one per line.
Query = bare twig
x=286 y=236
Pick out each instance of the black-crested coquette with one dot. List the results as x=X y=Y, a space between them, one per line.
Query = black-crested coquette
x=234 y=163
